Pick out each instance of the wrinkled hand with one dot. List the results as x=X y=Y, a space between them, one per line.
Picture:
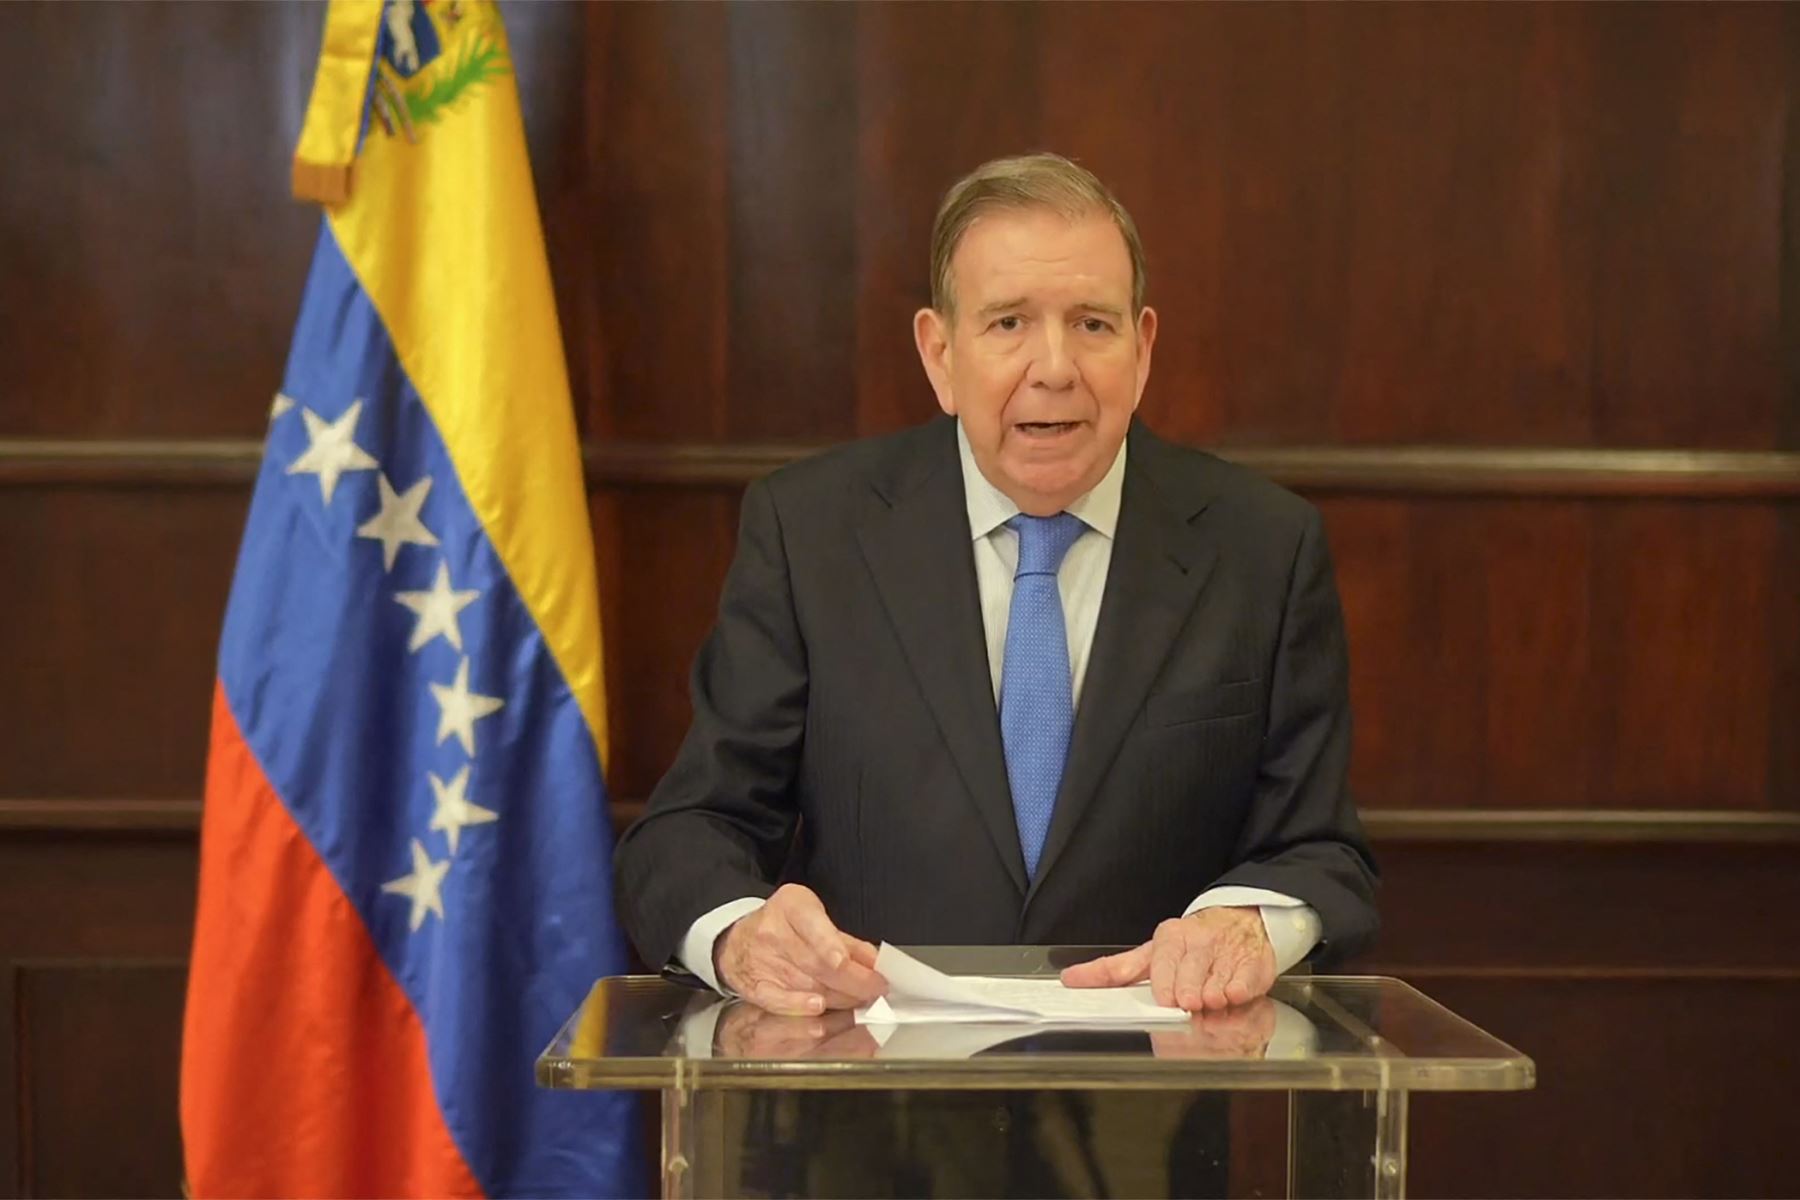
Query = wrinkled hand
x=1214 y=958
x=788 y=957
x=1241 y=1032
x=746 y=1031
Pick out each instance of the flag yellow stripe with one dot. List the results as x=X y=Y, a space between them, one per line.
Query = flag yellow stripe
x=443 y=234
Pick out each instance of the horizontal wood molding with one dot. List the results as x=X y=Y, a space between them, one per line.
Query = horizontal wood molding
x=1580 y=825
x=1398 y=470
x=1384 y=824
x=71 y=815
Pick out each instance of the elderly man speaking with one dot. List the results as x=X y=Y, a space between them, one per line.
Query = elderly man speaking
x=1023 y=674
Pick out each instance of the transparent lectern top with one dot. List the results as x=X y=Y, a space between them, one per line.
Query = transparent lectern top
x=1312 y=1033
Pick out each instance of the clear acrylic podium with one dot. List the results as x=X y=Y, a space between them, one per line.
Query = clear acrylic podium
x=1302 y=1094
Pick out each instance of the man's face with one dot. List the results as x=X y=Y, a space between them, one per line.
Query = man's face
x=1041 y=360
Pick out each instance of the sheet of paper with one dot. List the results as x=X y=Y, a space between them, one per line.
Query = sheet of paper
x=919 y=993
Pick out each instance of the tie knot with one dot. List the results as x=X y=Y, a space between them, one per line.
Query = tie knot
x=1043 y=541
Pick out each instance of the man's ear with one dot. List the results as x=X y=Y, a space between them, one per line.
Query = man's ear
x=931 y=334
x=1146 y=334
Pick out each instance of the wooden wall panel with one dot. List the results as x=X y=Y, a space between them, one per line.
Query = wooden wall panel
x=673 y=550
x=792 y=226
x=1564 y=653
x=1520 y=909
x=109 y=1129
x=112 y=602
x=1464 y=224
x=657 y=216
x=1652 y=1087
x=87 y=895
x=1694 y=584
x=151 y=259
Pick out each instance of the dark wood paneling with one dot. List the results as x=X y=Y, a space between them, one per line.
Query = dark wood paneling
x=793 y=199
x=1683 y=596
x=675 y=548
x=1784 y=649
x=657 y=246
x=1465 y=223
x=152 y=258
x=113 y=601
x=83 y=894
x=1648 y=906
x=11 y=1184
x=1645 y=1088
x=1686 y=152
x=1559 y=653
x=112 y=1128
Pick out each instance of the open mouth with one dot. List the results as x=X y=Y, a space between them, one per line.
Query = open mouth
x=1044 y=429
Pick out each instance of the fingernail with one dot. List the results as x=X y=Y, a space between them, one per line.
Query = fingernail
x=837 y=959
x=815 y=1004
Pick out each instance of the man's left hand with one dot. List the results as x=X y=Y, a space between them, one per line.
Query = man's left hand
x=1214 y=958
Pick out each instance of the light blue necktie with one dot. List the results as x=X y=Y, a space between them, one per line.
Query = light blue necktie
x=1037 y=698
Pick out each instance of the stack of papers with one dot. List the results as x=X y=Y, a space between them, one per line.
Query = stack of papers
x=918 y=994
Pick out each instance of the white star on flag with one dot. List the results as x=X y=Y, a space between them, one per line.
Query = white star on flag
x=279 y=406
x=332 y=449
x=453 y=808
x=459 y=709
x=437 y=610
x=398 y=521
x=424 y=887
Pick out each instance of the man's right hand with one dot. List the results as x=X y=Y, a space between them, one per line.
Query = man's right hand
x=788 y=957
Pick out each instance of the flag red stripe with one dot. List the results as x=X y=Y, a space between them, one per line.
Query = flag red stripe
x=304 y=1069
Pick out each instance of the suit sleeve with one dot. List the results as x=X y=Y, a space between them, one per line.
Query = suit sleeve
x=1302 y=837
x=720 y=822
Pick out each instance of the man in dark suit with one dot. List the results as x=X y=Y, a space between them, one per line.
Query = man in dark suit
x=1024 y=674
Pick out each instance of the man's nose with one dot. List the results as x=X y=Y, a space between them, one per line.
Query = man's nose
x=1052 y=366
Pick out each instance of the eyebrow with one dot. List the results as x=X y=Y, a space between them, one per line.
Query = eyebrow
x=1091 y=306
x=1000 y=306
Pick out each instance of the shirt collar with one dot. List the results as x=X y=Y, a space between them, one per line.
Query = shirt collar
x=990 y=508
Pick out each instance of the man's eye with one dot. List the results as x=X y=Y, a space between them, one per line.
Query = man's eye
x=1008 y=324
x=1094 y=325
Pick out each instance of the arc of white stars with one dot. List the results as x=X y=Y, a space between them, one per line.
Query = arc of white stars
x=454 y=811
x=459 y=709
x=424 y=887
x=437 y=610
x=398 y=521
x=331 y=449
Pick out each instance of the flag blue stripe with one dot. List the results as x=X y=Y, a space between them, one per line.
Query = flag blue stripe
x=340 y=713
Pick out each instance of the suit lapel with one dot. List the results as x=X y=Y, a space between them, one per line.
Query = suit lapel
x=915 y=539
x=1160 y=563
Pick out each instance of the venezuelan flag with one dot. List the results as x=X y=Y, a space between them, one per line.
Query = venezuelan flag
x=404 y=855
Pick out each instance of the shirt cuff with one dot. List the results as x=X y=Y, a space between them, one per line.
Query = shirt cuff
x=696 y=950
x=1292 y=925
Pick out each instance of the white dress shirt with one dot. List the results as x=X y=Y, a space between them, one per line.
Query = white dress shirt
x=1292 y=925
